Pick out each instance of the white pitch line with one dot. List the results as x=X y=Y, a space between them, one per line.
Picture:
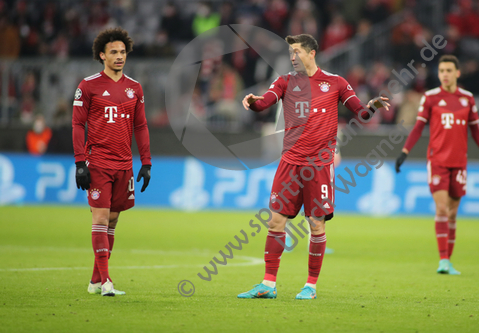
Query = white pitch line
x=252 y=262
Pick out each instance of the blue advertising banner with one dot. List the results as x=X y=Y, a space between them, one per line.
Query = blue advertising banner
x=189 y=184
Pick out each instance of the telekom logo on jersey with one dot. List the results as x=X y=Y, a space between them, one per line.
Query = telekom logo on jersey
x=111 y=112
x=447 y=119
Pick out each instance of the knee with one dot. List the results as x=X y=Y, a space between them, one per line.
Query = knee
x=317 y=226
x=441 y=209
x=452 y=214
x=277 y=223
x=112 y=222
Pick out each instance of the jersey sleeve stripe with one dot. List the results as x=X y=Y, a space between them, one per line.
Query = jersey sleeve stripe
x=92 y=77
x=131 y=78
x=277 y=98
x=474 y=122
x=348 y=98
x=422 y=119
x=465 y=92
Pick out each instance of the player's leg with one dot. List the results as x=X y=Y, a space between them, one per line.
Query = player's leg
x=439 y=181
x=441 y=199
x=452 y=213
x=457 y=189
x=100 y=220
x=319 y=207
x=113 y=220
x=274 y=247
x=286 y=201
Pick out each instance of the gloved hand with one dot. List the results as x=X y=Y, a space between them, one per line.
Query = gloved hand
x=400 y=160
x=82 y=176
x=145 y=174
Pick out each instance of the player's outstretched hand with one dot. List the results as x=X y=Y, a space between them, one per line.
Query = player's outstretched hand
x=146 y=175
x=400 y=160
x=380 y=102
x=82 y=176
x=250 y=99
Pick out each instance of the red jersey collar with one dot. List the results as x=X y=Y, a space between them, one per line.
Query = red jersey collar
x=109 y=78
x=452 y=93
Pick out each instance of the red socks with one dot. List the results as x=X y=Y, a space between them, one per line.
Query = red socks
x=101 y=249
x=442 y=236
x=452 y=237
x=317 y=247
x=272 y=254
x=111 y=240
x=96 y=277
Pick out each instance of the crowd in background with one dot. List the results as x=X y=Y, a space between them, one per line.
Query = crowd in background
x=64 y=29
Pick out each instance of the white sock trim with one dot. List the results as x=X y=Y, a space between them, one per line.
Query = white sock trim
x=310 y=285
x=268 y=283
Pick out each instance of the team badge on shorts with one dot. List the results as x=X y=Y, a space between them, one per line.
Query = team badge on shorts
x=436 y=179
x=95 y=194
x=130 y=92
x=324 y=86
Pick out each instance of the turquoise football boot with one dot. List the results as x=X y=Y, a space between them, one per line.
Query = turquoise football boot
x=307 y=293
x=260 y=291
x=444 y=265
x=452 y=270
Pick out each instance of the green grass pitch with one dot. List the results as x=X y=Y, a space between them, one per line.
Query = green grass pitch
x=381 y=277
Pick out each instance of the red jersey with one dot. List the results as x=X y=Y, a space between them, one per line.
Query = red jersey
x=111 y=110
x=448 y=115
x=310 y=107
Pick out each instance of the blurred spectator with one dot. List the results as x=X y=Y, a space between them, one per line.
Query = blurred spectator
x=304 y=19
x=204 y=19
x=469 y=78
x=225 y=88
x=38 y=138
x=375 y=11
x=406 y=38
x=10 y=39
x=275 y=16
x=61 y=130
x=338 y=31
x=408 y=109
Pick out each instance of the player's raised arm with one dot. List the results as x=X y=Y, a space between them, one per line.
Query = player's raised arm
x=259 y=103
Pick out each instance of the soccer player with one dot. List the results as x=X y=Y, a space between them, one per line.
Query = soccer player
x=112 y=105
x=305 y=173
x=449 y=110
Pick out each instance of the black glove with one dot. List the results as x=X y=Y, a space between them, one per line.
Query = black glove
x=82 y=176
x=145 y=173
x=400 y=160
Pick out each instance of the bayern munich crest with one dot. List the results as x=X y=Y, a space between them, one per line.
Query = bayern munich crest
x=130 y=92
x=436 y=179
x=324 y=86
x=95 y=194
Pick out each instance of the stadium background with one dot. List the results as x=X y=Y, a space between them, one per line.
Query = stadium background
x=46 y=51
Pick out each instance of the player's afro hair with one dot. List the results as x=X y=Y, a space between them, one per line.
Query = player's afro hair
x=111 y=35
x=307 y=42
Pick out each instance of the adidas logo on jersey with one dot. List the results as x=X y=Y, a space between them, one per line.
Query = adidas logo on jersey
x=131 y=197
x=106 y=93
x=296 y=89
x=442 y=103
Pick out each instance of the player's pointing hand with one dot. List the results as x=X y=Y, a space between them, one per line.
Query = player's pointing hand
x=250 y=99
x=380 y=102
x=146 y=175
